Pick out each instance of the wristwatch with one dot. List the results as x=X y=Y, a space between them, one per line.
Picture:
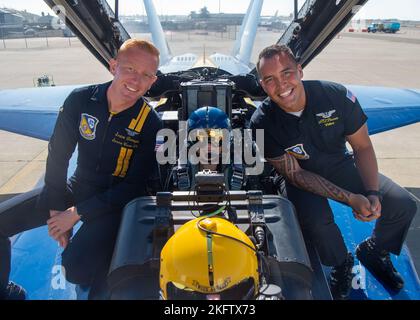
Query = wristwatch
x=374 y=193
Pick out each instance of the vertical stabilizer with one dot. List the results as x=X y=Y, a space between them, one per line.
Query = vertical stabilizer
x=245 y=42
x=237 y=45
x=158 y=37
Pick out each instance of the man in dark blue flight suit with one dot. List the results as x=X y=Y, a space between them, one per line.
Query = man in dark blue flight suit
x=306 y=125
x=115 y=131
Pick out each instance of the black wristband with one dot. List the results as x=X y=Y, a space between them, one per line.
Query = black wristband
x=374 y=193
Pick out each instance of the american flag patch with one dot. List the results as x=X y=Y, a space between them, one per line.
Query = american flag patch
x=159 y=142
x=351 y=96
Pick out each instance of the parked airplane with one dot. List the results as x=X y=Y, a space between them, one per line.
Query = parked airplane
x=236 y=63
x=32 y=112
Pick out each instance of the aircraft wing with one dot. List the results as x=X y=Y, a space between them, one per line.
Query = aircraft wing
x=388 y=108
x=33 y=111
x=364 y=284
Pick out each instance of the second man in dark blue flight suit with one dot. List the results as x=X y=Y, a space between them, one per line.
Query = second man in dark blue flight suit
x=115 y=131
x=306 y=125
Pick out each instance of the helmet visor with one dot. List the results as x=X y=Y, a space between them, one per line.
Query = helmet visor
x=244 y=290
x=213 y=136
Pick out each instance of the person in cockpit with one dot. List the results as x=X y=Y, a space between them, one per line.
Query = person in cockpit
x=209 y=148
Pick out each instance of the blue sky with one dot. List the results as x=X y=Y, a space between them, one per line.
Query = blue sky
x=401 y=9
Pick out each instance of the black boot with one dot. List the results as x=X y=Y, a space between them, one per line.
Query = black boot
x=340 y=279
x=379 y=263
x=13 y=292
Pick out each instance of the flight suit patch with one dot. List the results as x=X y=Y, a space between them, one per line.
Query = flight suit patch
x=131 y=133
x=298 y=152
x=88 y=126
x=125 y=141
x=326 y=118
x=351 y=96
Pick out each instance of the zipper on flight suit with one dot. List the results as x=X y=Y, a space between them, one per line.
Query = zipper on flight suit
x=111 y=114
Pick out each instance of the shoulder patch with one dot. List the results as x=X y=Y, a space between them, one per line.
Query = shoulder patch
x=351 y=96
x=88 y=126
x=298 y=152
x=160 y=140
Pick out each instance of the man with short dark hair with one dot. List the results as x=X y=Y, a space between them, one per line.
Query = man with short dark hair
x=306 y=125
x=115 y=131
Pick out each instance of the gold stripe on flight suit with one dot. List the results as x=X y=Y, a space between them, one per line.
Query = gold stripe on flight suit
x=134 y=122
x=120 y=162
x=125 y=154
x=126 y=163
x=142 y=119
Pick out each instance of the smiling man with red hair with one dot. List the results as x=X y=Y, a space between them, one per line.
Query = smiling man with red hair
x=114 y=130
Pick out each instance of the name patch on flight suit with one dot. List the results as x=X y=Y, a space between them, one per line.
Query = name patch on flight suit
x=88 y=126
x=327 y=119
x=298 y=152
x=125 y=141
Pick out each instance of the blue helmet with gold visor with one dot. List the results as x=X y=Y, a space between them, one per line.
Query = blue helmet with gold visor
x=211 y=119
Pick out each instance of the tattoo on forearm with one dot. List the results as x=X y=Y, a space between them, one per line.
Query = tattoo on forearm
x=288 y=166
x=318 y=185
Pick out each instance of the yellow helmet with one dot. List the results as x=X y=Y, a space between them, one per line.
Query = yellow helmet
x=196 y=264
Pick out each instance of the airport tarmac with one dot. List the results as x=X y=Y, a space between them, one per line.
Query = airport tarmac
x=349 y=59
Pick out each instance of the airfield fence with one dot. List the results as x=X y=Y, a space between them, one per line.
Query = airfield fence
x=40 y=41
x=51 y=41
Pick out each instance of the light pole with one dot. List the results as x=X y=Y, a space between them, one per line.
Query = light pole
x=2 y=37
